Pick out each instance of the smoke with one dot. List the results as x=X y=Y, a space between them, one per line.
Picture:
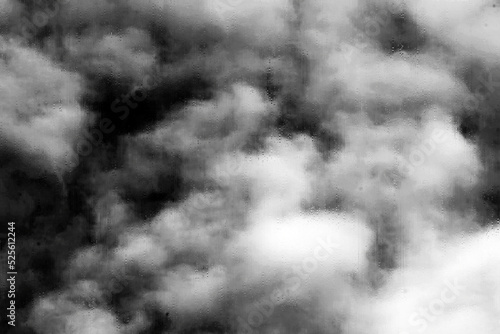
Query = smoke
x=41 y=115
x=252 y=167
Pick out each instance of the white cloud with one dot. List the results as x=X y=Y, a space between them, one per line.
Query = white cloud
x=41 y=114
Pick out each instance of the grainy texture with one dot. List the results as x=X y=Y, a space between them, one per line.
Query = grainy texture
x=259 y=166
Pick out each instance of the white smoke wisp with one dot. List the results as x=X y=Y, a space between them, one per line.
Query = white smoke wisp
x=41 y=114
x=296 y=167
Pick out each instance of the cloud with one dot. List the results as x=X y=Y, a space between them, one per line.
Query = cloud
x=41 y=114
x=288 y=170
x=127 y=54
x=460 y=295
x=466 y=25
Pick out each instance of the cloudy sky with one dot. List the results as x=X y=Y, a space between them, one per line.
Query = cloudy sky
x=264 y=166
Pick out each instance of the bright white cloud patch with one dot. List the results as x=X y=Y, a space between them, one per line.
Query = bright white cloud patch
x=41 y=116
